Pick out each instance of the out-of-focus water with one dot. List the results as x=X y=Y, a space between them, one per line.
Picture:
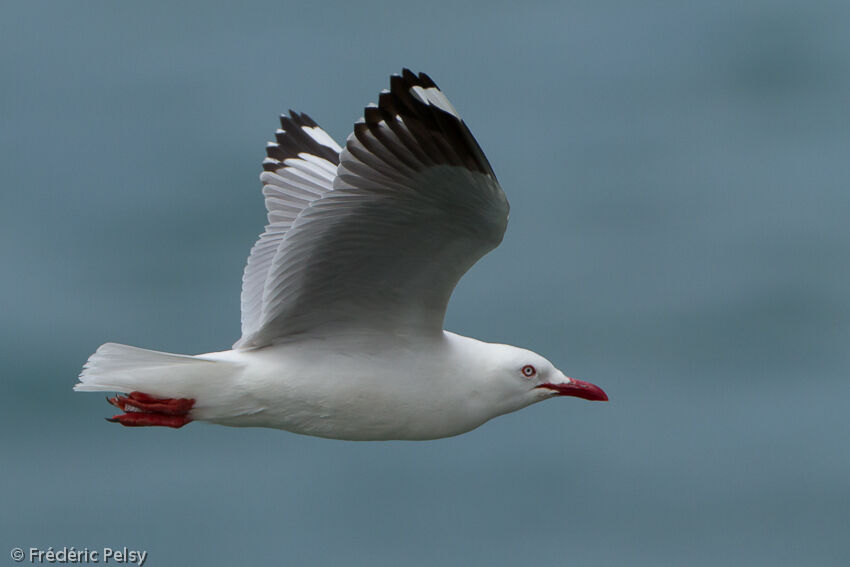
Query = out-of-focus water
x=679 y=177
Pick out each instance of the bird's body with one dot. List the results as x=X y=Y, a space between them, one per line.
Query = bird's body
x=345 y=293
x=361 y=387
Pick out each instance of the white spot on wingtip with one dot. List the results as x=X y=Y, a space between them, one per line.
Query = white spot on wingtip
x=321 y=137
x=433 y=97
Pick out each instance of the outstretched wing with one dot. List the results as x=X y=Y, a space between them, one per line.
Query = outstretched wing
x=300 y=168
x=414 y=205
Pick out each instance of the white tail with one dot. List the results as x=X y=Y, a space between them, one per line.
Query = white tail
x=121 y=368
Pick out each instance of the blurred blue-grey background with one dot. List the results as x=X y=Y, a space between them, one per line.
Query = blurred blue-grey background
x=678 y=174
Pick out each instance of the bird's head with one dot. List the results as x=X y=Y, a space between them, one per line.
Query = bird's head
x=521 y=377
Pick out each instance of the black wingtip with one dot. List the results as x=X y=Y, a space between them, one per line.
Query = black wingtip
x=416 y=79
x=408 y=75
x=435 y=130
x=111 y=419
x=307 y=121
x=293 y=140
x=427 y=81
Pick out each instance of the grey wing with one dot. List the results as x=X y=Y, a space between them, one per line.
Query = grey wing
x=414 y=205
x=300 y=168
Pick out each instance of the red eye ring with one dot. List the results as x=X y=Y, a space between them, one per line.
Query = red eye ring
x=528 y=371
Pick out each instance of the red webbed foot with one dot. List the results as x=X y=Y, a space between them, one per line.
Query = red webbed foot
x=146 y=410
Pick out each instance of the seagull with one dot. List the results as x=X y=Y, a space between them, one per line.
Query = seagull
x=345 y=292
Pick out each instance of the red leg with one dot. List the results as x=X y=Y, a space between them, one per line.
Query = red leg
x=143 y=409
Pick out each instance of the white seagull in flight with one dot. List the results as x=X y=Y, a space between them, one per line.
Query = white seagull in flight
x=345 y=292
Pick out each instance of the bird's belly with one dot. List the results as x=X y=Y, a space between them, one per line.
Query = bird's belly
x=357 y=408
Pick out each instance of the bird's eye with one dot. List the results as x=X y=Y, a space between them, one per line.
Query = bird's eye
x=528 y=371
